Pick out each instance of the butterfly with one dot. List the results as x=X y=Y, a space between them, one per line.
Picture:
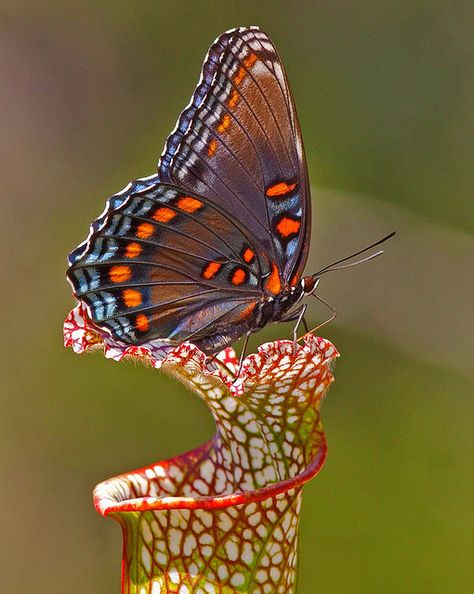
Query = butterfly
x=212 y=247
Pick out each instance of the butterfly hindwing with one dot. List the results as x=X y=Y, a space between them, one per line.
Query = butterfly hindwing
x=166 y=264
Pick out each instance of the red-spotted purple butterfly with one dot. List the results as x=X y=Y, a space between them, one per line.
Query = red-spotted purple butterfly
x=213 y=246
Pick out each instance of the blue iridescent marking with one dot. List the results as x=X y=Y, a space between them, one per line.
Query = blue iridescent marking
x=104 y=304
x=208 y=72
x=87 y=279
x=114 y=202
x=139 y=207
x=103 y=249
x=122 y=326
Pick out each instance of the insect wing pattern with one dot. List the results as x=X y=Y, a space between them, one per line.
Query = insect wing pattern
x=166 y=264
x=239 y=143
x=187 y=254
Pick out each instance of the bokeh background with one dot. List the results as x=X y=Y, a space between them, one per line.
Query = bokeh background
x=384 y=89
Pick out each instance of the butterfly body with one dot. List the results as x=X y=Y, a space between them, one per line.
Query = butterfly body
x=268 y=310
x=212 y=247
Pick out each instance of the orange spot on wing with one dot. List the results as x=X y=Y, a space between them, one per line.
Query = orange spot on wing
x=280 y=189
x=248 y=255
x=211 y=269
x=238 y=277
x=241 y=74
x=189 y=204
x=120 y=274
x=295 y=279
x=233 y=99
x=142 y=323
x=164 y=214
x=248 y=311
x=224 y=123
x=212 y=148
x=132 y=298
x=250 y=60
x=287 y=227
x=133 y=249
x=273 y=283
x=145 y=230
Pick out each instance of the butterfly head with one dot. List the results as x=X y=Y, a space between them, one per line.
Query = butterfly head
x=309 y=283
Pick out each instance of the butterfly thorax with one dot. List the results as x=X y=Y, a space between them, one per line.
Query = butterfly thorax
x=276 y=308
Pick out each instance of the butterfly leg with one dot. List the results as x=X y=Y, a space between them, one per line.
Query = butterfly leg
x=297 y=316
x=305 y=326
x=242 y=355
x=299 y=319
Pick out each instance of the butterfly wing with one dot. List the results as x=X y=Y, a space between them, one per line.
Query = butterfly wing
x=187 y=254
x=239 y=144
x=161 y=263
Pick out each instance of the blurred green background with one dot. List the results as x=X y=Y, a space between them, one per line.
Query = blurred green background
x=384 y=91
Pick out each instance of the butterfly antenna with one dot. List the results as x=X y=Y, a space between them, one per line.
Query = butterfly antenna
x=242 y=356
x=334 y=265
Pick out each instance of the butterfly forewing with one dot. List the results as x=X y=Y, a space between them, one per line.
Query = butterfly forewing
x=239 y=144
